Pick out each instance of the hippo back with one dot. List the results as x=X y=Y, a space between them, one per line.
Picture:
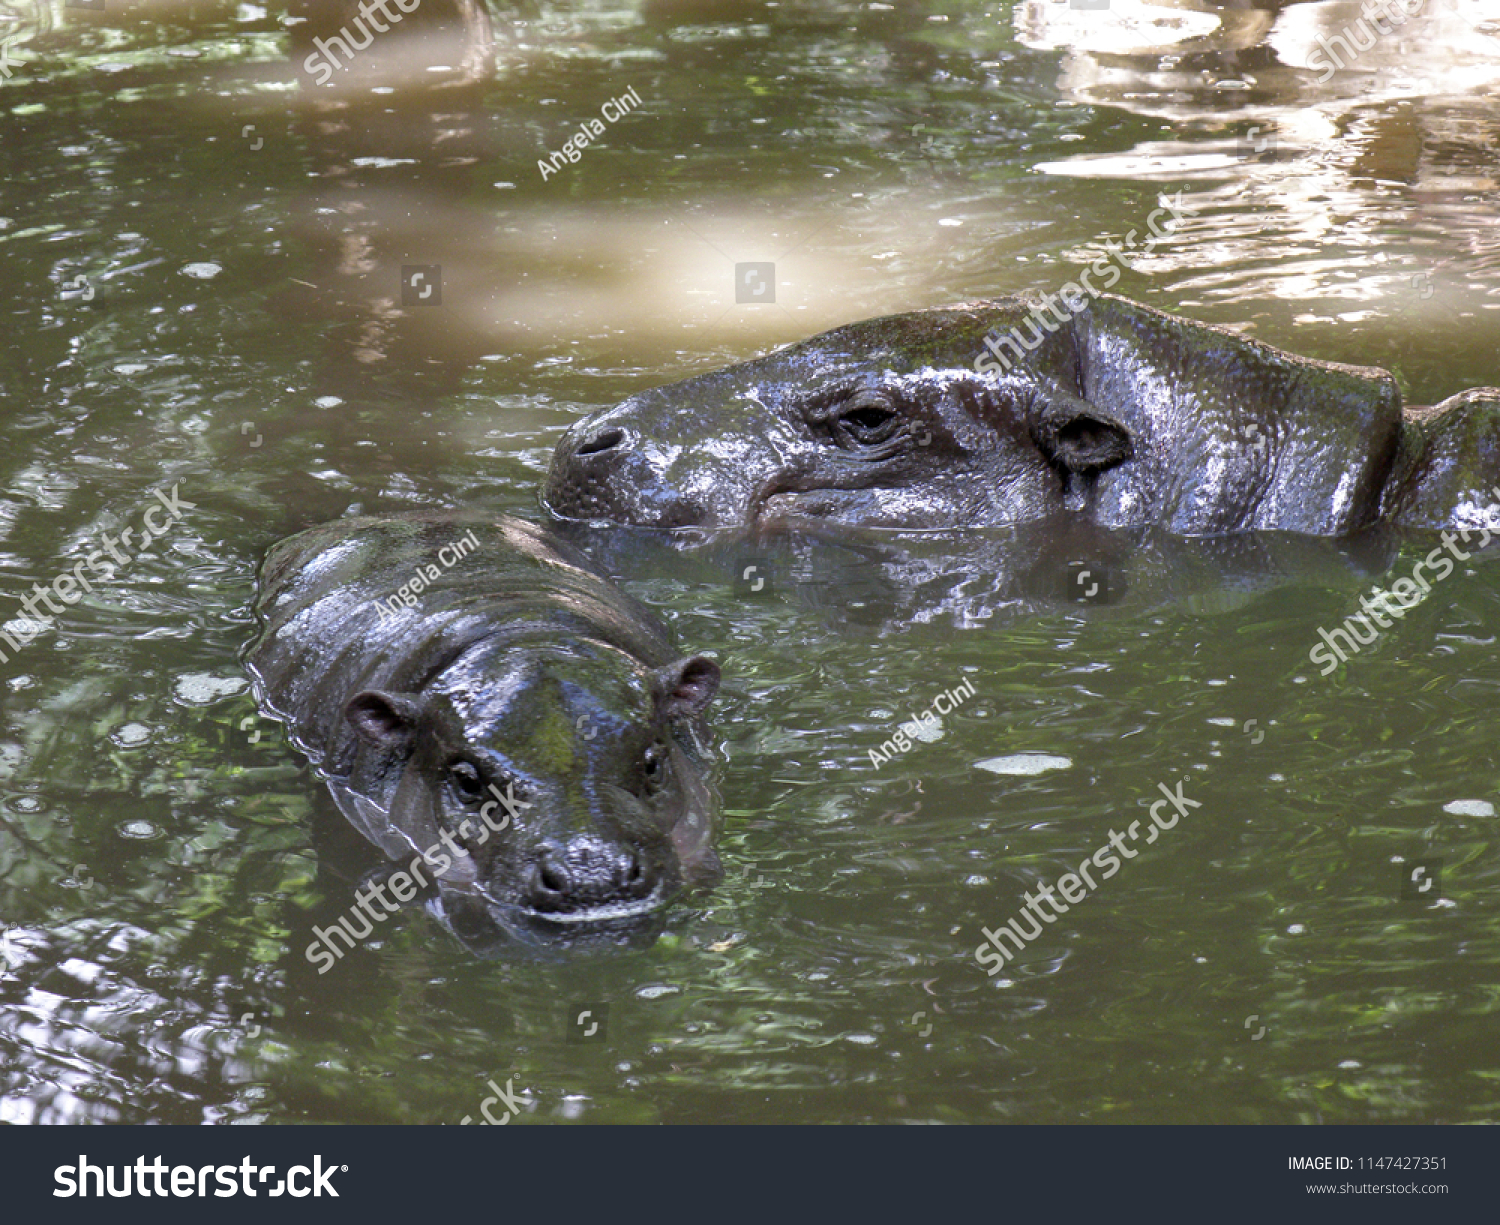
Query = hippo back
x=1229 y=434
x=1449 y=472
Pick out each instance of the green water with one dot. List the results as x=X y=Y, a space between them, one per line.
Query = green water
x=240 y=335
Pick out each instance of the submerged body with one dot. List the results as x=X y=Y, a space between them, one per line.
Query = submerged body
x=996 y=413
x=487 y=707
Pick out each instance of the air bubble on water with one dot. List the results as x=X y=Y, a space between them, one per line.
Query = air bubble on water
x=656 y=990
x=202 y=272
x=1470 y=808
x=927 y=731
x=23 y=628
x=202 y=688
x=130 y=735
x=139 y=830
x=1024 y=763
x=328 y=401
x=26 y=803
x=1296 y=929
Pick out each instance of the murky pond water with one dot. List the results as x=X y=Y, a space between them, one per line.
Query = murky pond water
x=203 y=291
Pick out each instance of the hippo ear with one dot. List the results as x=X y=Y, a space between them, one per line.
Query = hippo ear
x=685 y=687
x=386 y=720
x=1079 y=437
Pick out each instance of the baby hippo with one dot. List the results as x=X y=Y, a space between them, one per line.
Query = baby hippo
x=486 y=707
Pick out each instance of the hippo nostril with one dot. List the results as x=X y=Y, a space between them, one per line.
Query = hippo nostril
x=634 y=879
x=549 y=884
x=605 y=440
x=1080 y=435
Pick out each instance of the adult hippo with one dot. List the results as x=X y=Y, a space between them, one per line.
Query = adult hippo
x=483 y=705
x=1017 y=409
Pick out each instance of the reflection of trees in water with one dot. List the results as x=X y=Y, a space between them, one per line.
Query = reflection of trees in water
x=391 y=140
x=1302 y=158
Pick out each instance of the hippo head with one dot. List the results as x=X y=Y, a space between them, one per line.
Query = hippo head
x=561 y=783
x=882 y=423
x=998 y=413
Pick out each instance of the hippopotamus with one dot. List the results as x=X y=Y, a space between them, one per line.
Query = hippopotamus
x=1014 y=410
x=485 y=705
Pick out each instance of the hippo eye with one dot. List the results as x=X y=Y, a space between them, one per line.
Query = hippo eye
x=654 y=764
x=464 y=778
x=866 y=421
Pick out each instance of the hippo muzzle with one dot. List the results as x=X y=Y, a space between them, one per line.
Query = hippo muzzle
x=611 y=468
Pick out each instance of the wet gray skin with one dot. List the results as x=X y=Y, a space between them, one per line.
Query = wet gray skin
x=523 y=726
x=1119 y=413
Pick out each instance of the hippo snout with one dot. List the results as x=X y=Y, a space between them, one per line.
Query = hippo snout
x=602 y=472
x=617 y=470
x=586 y=875
x=592 y=462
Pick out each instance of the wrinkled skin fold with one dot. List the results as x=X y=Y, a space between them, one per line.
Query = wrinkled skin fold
x=510 y=719
x=1009 y=411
